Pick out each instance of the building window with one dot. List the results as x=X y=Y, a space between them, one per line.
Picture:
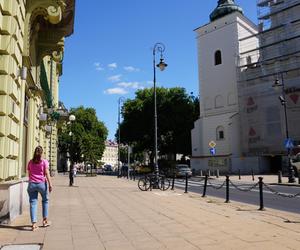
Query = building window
x=218 y=57
x=231 y=99
x=219 y=101
x=207 y=103
x=26 y=110
x=220 y=133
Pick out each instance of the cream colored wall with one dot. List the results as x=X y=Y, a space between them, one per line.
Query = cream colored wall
x=12 y=15
x=15 y=52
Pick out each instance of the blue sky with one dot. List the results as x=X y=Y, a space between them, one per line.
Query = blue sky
x=110 y=52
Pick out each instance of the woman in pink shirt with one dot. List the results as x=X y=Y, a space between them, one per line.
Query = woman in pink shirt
x=39 y=177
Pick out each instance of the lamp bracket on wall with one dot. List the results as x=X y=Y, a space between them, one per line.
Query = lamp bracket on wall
x=22 y=73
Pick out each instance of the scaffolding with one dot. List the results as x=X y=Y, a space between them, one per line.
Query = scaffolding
x=263 y=57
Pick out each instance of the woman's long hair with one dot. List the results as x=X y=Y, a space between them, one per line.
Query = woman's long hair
x=37 y=155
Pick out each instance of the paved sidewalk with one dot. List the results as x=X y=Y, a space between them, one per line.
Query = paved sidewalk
x=108 y=213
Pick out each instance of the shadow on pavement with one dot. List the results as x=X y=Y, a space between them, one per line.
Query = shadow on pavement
x=66 y=186
x=290 y=221
x=19 y=228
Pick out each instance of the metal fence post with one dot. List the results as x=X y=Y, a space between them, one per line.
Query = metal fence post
x=239 y=174
x=205 y=185
x=261 y=198
x=227 y=189
x=186 y=183
x=173 y=181
x=252 y=172
x=279 y=177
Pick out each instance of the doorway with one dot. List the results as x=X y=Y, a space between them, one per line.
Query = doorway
x=275 y=164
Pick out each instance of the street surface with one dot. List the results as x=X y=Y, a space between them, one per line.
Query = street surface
x=271 y=200
x=105 y=212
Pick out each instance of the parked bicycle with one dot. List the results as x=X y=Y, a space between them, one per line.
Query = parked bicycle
x=151 y=181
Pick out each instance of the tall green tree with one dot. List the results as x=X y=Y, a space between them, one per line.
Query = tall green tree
x=84 y=138
x=177 y=112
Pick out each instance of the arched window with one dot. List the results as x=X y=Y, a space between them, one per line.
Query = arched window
x=218 y=57
x=219 y=101
x=220 y=133
x=208 y=103
x=231 y=99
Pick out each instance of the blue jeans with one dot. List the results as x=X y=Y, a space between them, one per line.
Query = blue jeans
x=33 y=190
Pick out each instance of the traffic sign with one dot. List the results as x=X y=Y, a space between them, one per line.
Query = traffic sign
x=212 y=151
x=288 y=143
x=212 y=144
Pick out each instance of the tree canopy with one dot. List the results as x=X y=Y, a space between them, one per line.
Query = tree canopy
x=177 y=112
x=84 y=138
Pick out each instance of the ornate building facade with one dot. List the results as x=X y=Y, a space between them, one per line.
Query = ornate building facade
x=32 y=34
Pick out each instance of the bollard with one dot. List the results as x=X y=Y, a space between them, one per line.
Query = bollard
x=151 y=183
x=239 y=174
x=208 y=172
x=201 y=174
x=261 y=198
x=205 y=185
x=186 y=182
x=173 y=181
x=279 y=177
x=298 y=177
x=252 y=172
x=217 y=173
x=227 y=189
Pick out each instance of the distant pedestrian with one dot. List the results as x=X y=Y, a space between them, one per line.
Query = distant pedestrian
x=75 y=170
x=71 y=175
x=39 y=182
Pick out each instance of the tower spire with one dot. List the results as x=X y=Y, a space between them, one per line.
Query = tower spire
x=224 y=8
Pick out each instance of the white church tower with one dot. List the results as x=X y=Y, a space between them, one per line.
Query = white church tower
x=219 y=47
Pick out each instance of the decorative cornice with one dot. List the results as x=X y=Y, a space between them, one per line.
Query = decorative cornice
x=57 y=22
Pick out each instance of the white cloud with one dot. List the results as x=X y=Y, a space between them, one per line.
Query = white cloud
x=112 y=66
x=115 y=78
x=116 y=91
x=131 y=69
x=98 y=66
x=133 y=85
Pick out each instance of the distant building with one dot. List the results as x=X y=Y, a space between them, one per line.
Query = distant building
x=110 y=155
x=218 y=47
x=238 y=65
x=277 y=57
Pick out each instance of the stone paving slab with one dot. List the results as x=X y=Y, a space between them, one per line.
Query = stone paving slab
x=105 y=212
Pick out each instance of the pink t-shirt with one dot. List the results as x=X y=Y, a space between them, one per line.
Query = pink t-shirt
x=37 y=171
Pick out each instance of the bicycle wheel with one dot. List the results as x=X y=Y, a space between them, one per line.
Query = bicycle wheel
x=163 y=183
x=144 y=184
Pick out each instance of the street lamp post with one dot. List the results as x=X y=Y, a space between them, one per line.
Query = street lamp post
x=119 y=133
x=282 y=99
x=158 y=47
